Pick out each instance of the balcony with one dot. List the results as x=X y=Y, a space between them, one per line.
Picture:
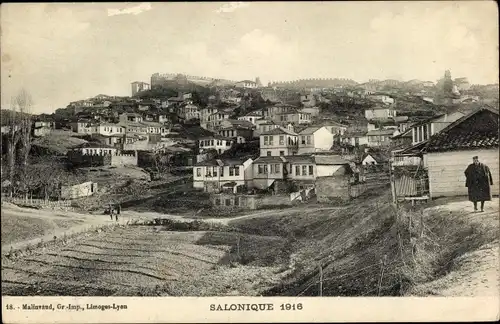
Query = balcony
x=407 y=161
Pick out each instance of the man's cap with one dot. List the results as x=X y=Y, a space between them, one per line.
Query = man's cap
x=475 y=157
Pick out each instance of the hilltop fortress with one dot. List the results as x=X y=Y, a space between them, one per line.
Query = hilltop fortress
x=315 y=83
x=159 y=79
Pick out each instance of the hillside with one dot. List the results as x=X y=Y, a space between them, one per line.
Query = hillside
x=58 y=142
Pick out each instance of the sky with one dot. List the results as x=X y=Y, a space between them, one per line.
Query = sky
x=67 y=52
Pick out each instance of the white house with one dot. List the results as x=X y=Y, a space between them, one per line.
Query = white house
x=382 y=98
x=424 y=130
x=313 y=139
x=216 y=142
x=109 y=129
x=215 y=174
x=381 y=137
x=252 y=117
x=448 y=153
x=278 y=142
x=380 y=112
x=246 y=84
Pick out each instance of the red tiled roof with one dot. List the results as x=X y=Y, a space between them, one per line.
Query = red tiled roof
x=478 y=129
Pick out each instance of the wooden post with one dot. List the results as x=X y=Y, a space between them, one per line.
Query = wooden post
x=320 y=281
x=381 y=274
x=238 y=247
x=421 y=223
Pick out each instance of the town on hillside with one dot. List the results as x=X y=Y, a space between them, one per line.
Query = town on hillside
x=241 y=141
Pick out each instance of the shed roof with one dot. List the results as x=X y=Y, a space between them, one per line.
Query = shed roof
x=278 y=131
x=379 y=132
x=309 y=130
x=329 y=160
x=478 y=129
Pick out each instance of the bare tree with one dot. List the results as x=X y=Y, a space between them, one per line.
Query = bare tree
x=19 y=133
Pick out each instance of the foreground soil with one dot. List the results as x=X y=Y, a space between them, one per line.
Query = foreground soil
x=135 y=260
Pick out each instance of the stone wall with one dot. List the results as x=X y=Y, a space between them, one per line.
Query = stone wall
x=124 y=159
x=241 y=202
x=329 y=189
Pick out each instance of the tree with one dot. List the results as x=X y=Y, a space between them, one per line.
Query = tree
x=18 y=139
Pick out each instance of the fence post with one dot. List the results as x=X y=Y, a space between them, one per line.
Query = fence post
x=381 y=274
x=421 y=224
x=320 y=281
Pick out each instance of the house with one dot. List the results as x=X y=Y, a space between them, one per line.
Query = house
x=188 y=111
x=280 y=108
x=139 y=86
x=216 y=142
x=263 y=125
x=246 y=84
x=354 y=138
x=109 y=129
x=130 y=117
x=374 y=158
x=308 y=100
x=84 y=126
x=93 y=148
x=449 y=152
x=240 y=130
x=42 y=128
x=380 y=112
x=215 y=174
x=212 y=121
x=278 y=142
x=335 y=128
x=252 y=117
x=79 y=190
x=328 y=165
x=380 y=137
x=313 y=139
x=422 y=131
x=385 y=99
x=401 y=141
x=313 y=111
x=301 y=170
x=294 y=116
x=269 y=171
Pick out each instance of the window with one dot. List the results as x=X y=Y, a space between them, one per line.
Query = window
x=201 y=143
x=297 y=170
x=308 y=139
x=426 y=133
x=214 y=170
x=228 y=143
x=231 y=171
x=261 y=169
x=311 y=171
x=266 y=140
x=212 y=142
x=268 y=153
x=282 y=153
x=198 y=172
x=304 y=170
x=277 y=168
x=236 y=170
x=217 y=202
x=236 y=201
x=266 y=171
x=271 y=138
x=282 y=140
x=222 y=171
x=303 y=139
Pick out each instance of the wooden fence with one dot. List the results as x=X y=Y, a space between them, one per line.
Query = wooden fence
x=38 y=202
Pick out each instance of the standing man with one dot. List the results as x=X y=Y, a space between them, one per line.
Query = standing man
x=111 y=211
x=478 y=181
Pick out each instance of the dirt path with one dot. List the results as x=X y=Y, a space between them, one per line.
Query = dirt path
x=474 y=273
